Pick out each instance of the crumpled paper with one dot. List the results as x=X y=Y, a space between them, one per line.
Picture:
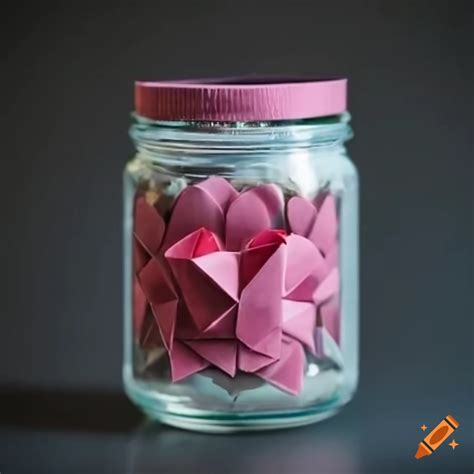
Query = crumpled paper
x=230 y=288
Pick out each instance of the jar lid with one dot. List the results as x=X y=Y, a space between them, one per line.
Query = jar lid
x=240 y=100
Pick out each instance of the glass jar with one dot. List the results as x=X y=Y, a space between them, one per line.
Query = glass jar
x=241 y=254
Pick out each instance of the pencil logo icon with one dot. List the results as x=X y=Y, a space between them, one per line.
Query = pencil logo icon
x=437 y=437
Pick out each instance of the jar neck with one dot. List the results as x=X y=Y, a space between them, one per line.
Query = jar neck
x=213 y=144
x=234 y=136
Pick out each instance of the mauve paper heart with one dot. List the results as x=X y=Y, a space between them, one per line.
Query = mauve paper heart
x=163 y=300
x=149 y=226
x=255 y=210
x=148 y=232
x=318 y=224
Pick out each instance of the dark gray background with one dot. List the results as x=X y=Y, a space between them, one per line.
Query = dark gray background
x=67 y=81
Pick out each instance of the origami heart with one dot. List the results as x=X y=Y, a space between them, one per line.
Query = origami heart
x=217 y=206
x=317 y=221
x=148 y=232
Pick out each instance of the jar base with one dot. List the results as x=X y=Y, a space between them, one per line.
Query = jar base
x=175 y=410
x=228 y=425
x=174 y=414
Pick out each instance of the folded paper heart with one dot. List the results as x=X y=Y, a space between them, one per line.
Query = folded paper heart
x=149 y=229
x=229 y=289
x=318 y=222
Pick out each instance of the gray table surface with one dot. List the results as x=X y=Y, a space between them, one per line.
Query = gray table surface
x=63 y=432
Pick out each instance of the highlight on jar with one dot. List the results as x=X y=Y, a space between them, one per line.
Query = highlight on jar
x=241 y=265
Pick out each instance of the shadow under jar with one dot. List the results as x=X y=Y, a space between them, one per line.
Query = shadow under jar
x=241 y=254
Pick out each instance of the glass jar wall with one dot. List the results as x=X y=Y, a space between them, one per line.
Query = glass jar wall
x=241 y=272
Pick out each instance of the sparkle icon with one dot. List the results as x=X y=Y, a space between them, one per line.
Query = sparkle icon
x=424 y=427
x=453 y=444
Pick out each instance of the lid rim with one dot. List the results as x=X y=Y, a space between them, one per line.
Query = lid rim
x=219 y=101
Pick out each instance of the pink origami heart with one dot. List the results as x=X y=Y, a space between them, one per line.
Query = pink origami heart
x=318 y=222
x=149 y=226
x=159 y=291
x=254 y=211
x=195 y=260
x=262 y=266
x=148 y=233
x=235 y=218
x=287 y=372
x=208 y=279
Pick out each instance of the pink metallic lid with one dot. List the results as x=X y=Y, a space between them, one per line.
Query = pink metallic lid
x=244 y=100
